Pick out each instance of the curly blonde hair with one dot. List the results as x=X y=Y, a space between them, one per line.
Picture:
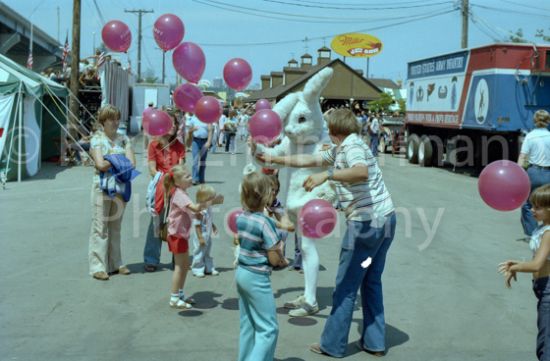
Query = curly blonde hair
x=541 y=118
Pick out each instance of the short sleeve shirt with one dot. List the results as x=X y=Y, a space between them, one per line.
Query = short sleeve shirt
x=361 y=201
x=166 y=158
x=202 y=128
x=537 y=147
x=180 y=217
x=257 y=234
x=107 y=146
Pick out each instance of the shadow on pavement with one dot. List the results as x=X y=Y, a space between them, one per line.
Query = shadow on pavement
x=231 y=304
x=190 y=313
x=206 y=300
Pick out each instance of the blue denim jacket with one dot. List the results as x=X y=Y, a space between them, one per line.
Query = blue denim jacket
x=117 y=180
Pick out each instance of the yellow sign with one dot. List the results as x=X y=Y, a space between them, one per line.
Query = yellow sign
x=356 y=45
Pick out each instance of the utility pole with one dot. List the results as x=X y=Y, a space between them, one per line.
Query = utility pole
x=140 y=13
x=465 y=11
x=75 y=60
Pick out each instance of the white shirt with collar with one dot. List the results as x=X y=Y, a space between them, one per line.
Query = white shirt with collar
x=537 y=147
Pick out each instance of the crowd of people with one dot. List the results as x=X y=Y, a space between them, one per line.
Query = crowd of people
x=263 y=227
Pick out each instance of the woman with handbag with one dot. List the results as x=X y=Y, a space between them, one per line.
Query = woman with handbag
x=163 y=153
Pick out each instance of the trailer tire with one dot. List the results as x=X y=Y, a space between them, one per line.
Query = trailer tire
x=425 y=152
x=412 y=148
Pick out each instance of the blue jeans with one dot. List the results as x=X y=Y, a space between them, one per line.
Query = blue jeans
x=374 y=139
x=199 y=153
x=153 y=245
x=360 y=242
x=538 y=176
x=541 y=287
x=258 y=320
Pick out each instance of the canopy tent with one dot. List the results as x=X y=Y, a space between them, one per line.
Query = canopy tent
x=32 y=116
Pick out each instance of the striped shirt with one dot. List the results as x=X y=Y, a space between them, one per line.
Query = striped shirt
x=256 y=234
x=361 y=201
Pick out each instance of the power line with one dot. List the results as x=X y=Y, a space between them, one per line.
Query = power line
x=383 y=7
x=328 y=36
x=293 y=17
x=362 y=3
x=478 y=25
x=526 y=6
x=510 y=11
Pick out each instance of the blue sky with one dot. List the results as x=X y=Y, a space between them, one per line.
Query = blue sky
x=229 y=28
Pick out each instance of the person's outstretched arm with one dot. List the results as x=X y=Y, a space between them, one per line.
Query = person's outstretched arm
x=295 y=161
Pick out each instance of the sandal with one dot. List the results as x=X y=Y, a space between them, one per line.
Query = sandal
x=316 y=348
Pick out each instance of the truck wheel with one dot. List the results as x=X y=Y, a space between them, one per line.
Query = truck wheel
x=412 y=148
x=425 y=152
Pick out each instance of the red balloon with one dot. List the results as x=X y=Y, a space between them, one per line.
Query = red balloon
x=265 y=126
x=168 y=31
x=186 y=97
x=189 y=61
x=158 y=122
x=117 y=36
x=317 y=218
x=231 y=220
x=208 y=109
x=262 y=104
x=237 y=73
x=504 y=185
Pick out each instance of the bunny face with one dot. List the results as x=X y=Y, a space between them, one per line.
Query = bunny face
x=304 y=124
x=301 y=111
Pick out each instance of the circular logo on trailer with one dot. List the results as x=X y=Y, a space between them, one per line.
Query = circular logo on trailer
x=481 y=101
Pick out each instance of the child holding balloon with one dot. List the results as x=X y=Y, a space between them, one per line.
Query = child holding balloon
x=260 y=250
x=277 y=212
x=181 y=212
x=539 y=266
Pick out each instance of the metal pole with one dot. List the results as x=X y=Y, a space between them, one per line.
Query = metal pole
x=465 y=10
x=368 y=65
x=20 y=143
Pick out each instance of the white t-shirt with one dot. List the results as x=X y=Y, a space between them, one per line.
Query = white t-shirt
x=537 y=147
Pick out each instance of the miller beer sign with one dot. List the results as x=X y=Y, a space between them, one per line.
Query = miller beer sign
x=356 y=45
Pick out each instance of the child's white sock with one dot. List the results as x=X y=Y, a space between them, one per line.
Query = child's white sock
x=174 y=297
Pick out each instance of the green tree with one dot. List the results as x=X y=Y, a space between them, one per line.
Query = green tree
x=517 y=37
x=148 y=76
x=540 y=34
x=402 y=105
x=382 y=104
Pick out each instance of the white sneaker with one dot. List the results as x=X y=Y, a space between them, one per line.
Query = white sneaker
x=214 y=272
x=180 y=304
x=305 y=310
x=199 y=275
x=296 y=303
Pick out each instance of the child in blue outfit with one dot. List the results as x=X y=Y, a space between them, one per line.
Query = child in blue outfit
x=260 y=249
x=539 y=266
x=203 y=262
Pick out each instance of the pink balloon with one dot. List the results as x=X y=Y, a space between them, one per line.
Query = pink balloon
x=237 y=73
x=158 y=122
x=231 y=220
x=168 y=31
x=186 y=97
x=317 y=218
x=208 y=109
x=189 y=61
x=117 y=36
x=504 y=185
x=145 y=118
x=265 y=126
x=263 y=104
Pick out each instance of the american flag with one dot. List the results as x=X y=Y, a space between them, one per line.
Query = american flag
x=29 y=59
x=100 y=59
x=65 y=55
